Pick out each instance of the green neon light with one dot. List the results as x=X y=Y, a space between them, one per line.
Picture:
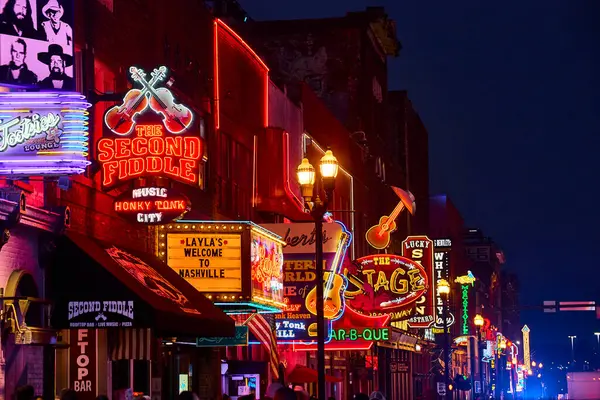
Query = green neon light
x=465 y=309
x=253 y=306
x=368 y=334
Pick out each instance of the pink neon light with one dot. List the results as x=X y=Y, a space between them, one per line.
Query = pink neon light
x=216 y=75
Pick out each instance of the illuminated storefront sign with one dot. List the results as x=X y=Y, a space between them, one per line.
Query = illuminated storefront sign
x=149 y=134
x=441 y=270
x=43 y=133
x=353 y=331
x=209 y=262
x=151 y=205
x=420 y=250
x=465 y=309
x=238 y=265
x=386 y=284
x=465 y=281
x=101 y=314
x=297 y=322
x=368 y=334
x=267 y=268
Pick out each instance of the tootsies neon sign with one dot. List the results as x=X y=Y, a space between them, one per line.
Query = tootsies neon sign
x=149 y=134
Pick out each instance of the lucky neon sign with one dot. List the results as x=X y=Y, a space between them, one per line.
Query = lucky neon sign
x=43 y=133
x=149 y=134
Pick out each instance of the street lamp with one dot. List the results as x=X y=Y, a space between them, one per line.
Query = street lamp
x=478 y=321
x=598 y=338
x=443 y=288
x=317 y=207
x=572 y=337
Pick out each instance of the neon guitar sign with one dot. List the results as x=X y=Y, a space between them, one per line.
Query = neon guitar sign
x=378 y=236
x=149 y=134
x=334 y=286
x=122 y=119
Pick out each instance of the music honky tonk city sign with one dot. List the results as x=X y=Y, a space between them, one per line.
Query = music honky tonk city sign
x=149 y=134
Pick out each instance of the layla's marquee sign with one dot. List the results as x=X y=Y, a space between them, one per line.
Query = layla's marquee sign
x=43 y=133
x=149 y=134
x=386 y=284
x=152 y=205
x=210 y=262
x=100 y=314
x=232 y=263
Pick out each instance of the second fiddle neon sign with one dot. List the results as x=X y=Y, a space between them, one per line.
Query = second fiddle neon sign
x=148 y=134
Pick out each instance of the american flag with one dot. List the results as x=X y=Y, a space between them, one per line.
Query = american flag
x=263 y=331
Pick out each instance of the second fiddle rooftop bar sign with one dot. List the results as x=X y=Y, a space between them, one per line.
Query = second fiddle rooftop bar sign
x=150 y=134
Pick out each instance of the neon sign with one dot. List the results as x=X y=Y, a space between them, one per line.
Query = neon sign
x=385 y=284
x=266 y=260
x=465 y=309
x=468 y=279
x=368 y=334
x=378 y=236
x=151 y=205
x=149 y=134
x=297 y=322
x=420 y=250
x=441 y=270
x=43 y=133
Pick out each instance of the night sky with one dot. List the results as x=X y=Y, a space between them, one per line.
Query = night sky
x=509 y=92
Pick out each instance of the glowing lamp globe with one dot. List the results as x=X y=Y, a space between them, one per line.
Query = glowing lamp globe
x=305 y=173
x=443 y=287
x=329 y=165
x=478 y=320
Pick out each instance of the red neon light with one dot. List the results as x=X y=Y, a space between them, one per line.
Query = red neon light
x=150 y=154
x=350 y=319
x=239 y=39
x=216 y=75
x=266 y=105
x=145 y=205
x=249 y=49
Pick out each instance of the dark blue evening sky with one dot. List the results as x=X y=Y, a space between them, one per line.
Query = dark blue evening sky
x=509 y=92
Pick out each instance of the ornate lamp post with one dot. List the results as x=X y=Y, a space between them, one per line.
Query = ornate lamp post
x=317 y=208
x=443 y=289
x=478 y=321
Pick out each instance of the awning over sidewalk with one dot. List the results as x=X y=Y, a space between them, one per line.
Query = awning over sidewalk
x=97 y=285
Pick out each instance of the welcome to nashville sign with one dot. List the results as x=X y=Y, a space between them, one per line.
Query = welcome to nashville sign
x=211 y=262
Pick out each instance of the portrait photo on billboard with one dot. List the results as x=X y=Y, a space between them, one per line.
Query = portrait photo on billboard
x=36 y=43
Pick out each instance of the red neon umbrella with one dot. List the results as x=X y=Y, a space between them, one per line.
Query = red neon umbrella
x=301 y=374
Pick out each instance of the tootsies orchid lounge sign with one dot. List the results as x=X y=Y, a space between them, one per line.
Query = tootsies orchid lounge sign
x=43 y=133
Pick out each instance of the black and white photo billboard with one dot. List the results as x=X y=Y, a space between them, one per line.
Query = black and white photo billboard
x=36 y=43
